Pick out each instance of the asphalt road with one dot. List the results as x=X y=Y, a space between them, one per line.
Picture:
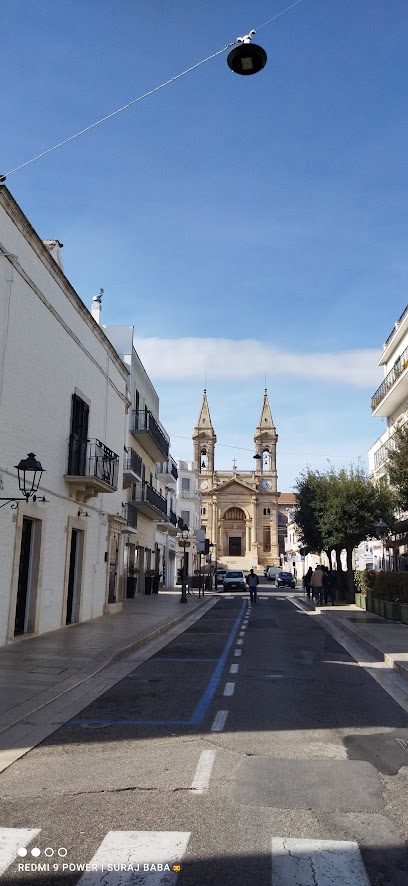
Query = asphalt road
x=232 y=753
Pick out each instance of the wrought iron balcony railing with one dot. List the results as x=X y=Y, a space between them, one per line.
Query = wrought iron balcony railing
x=133 y=463
x=399 y=367
x=91 y=458
x=130 y=514
x=144 y=493
x=143 y=420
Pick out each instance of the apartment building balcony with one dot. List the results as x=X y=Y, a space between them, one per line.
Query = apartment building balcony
x=150 y=434
x=190 y=494
x=149 y=502
x=130 y=515
x=167 y=472
x=132 y=468
x=92 y=469
x=169 y=524
x=393 y=390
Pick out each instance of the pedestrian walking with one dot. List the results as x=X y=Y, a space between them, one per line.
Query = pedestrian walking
x=252 y=581
x=316 y=583
x=306 y=581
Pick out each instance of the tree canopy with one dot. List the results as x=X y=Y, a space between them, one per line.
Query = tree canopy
x=339 y=509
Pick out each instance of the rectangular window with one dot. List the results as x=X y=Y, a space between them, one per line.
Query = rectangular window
x=266 y=538
x=185 y=484
x=185 y=516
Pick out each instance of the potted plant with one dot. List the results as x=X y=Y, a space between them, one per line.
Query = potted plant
x=131 y=582
x=149 y=575
x=360 y=584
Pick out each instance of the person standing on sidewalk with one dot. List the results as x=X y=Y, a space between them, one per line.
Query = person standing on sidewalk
x=307 y=580
x=316 y=583
x=252 y=581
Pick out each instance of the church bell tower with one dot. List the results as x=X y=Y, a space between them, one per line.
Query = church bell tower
x=204 y=440
x=266 y=439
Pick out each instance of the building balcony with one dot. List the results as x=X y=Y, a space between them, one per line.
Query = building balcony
x=393 y=390
x=130 y=515
x=149 y=502
x=167 y=472
x=132 y=468
x=169 y=524
x=92 y=469
x=189 y=494
x=149 y=433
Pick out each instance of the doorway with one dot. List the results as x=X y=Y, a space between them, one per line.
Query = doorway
x=74 y=577
x=24 y=577
x=235 y=546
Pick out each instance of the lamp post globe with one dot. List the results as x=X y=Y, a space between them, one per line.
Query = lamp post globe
x=29 y=471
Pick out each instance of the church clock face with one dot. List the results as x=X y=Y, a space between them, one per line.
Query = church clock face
x=204 y=484
x=266 y=484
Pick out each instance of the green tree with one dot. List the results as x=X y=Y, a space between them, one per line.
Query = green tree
x=397 y=467
x=339 y=509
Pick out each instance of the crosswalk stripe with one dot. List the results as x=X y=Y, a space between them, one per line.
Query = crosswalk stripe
x=320 y=862
x=133 y=848
x=11 y=840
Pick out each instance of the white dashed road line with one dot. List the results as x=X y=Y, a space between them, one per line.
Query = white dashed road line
x=237 y=651
x=202 y=776
x=219 y=721
x=229 y=689
x=234 y=669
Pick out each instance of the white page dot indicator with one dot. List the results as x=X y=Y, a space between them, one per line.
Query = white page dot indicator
x=36 y=852
x=22 y=851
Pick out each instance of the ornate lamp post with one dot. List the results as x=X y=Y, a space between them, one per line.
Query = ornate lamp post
x=185 y=543
x=29 y=472
x=382 y=530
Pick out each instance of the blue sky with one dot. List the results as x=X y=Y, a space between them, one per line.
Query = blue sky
x=244 y=225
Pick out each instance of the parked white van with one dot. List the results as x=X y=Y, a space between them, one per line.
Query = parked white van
x=272 y=573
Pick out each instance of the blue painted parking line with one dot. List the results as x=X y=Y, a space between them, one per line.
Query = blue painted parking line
x=201 y=708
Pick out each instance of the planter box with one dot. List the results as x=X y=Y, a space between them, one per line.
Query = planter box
x=361 y=601
x=370 y=602
x=404 y=613
x=148 y=584
x=392 y=610
x=379 y=607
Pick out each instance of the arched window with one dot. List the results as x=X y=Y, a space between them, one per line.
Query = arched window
x=234 y=514
x=203 y=460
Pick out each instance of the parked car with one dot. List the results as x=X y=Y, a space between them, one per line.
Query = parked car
x=220 y=576
x=285 y=579
x=272 y=572
x=234 y=581
x=268 y=566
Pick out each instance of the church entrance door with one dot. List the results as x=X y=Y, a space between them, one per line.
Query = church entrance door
x=235 y=546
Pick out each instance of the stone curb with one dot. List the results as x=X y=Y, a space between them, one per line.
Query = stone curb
x=101 y=662
x=390 y=660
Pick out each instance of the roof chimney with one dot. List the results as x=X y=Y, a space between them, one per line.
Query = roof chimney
x=97 y=306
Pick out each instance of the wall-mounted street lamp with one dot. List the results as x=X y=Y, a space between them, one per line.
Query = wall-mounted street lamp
x=186 y=544
x=29 y=471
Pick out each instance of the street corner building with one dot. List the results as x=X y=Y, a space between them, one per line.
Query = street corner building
x=242 y=511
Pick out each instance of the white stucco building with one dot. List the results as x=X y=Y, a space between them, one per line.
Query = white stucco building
x=189 y=509
x=390 y=402
x=63 y=396
x=150 y=475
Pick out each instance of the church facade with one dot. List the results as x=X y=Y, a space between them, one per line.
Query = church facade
x=240 y=509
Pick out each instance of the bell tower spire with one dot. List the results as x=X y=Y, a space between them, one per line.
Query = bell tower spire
x=204 y=440
x=266 y=439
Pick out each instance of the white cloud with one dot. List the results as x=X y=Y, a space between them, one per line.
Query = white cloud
x=222 y=358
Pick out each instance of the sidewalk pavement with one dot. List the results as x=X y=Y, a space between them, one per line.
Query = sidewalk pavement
x=388 y=640
x=34 y=671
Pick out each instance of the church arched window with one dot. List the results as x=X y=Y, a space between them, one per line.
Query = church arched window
x=266 y=460
x=203 y=460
